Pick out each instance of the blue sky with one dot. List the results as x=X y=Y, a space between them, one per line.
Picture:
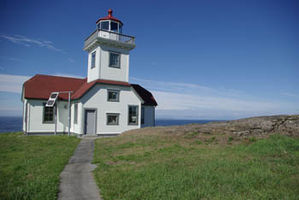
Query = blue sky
x=207 y=59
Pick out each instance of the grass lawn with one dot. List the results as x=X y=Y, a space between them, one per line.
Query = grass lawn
x=30 y=165
x=186 y=167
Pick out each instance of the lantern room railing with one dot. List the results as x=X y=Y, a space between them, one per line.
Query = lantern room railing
x=109 y=35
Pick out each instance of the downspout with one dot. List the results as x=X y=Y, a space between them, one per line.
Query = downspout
x=69 y=108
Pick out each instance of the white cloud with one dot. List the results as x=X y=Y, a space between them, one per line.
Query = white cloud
x=164 y=85
x=68 y=75
x=11 y=59
x=184 y=100
x=71 y=60
x=20 y=39
x=193 y=101
x=13 y=110
x=179 y=105
x=288 y=94
x=10 y=104
x=186 y=88
x=12 y=83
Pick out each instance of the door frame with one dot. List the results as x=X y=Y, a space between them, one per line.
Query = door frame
x=96 y=121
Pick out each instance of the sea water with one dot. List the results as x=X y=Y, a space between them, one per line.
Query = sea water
x=10 y=124
x=14 y=124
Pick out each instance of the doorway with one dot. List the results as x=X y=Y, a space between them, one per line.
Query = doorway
x=90 y=122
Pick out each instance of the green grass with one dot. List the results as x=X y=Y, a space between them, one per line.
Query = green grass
x=165 y=167
x=30 y=165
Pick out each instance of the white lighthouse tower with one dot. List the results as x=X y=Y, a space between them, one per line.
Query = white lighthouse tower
x=108 y=51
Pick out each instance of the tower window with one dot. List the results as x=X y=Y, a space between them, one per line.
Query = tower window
x=105 y=25
x=120 y=29
x=114 y=60
x=133 y=115
x=113 y=95
x=93 y=60
x=114 y=27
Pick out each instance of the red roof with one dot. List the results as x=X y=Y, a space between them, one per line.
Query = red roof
x=109 y=17
x=41 y=86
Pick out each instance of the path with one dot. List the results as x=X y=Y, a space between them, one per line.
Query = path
x=76 y=180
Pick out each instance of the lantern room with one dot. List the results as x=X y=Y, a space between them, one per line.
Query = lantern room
x=110 y=23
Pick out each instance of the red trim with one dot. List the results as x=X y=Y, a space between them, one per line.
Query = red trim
x=109 y=17
x=40 y=87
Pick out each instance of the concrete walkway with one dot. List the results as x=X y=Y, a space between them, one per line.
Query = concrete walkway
x=76 y=180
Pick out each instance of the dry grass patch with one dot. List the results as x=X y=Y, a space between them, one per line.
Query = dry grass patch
x=175 y=163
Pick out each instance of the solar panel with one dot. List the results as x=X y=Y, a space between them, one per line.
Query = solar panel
x=53 y=96
x=52 y=99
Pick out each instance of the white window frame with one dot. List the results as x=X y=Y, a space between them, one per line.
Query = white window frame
x=109 y=26
x=114 y=66
x=93 y=64
x=112 y=100
x=137 y=114
x=112 y=114
x=117 y=31
x=44 y=112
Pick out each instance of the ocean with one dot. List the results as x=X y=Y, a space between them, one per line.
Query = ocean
x=173 y=122
x=14 y=124
x=10 y=124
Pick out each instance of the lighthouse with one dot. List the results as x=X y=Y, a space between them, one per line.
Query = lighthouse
x=102 y=104
x=108 y=50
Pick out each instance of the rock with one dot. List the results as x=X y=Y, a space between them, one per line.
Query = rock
x=255 y=126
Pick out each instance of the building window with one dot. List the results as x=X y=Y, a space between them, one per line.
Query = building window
x=48 y=114
x=113 y=95
x=76 y=113
x=114 y=60
x=142 y=115
x=112 y=118
x=133 y=115
x=93 y=59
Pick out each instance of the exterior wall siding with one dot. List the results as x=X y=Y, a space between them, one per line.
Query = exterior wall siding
x=25 y=115
x=102 y=69
x=96 y=98
x=76 y=127
x=35 y=122
x=149 y=116
x=94 y=73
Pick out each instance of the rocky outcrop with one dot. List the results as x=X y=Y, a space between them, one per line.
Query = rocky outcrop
x=255 y=126
x=280 y=124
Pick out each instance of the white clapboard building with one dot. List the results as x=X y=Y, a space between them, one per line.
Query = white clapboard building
x=103 y=103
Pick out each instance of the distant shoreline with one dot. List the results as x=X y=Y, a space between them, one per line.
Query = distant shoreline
x=14 y=123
